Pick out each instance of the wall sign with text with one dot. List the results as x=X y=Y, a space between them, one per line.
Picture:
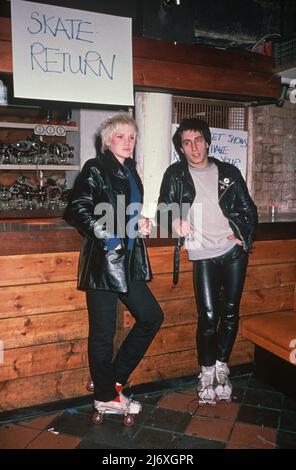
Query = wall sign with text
x=71 y=55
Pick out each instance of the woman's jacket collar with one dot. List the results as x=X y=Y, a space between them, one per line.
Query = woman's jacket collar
x=111 y=164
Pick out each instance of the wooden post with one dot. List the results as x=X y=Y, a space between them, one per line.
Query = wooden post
x=154 y=118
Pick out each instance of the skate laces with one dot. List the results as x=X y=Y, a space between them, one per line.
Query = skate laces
x=206 y=379
x=129 y=402
x=222 y=375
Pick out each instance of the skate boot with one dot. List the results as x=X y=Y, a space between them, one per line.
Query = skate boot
x=120 y=405
x=223 y=387
x=205 y=389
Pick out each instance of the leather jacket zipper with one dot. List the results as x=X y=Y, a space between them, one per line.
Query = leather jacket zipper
x=239 y=232
x=225 y=189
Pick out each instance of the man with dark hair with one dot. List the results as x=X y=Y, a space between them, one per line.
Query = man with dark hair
x=218 y=229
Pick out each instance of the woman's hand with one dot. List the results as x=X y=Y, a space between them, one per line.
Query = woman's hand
x=237 y=241
x=144 y=226
x=118 y=247
x=183 y=227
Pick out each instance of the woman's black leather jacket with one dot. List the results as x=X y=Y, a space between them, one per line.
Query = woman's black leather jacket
x=233 y=196
x=101 y=180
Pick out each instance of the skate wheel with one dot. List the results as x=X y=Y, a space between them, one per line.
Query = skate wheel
x=128 y=420
x=90 y=386
x=204 y=403
x=98 y=418
x=225 y=400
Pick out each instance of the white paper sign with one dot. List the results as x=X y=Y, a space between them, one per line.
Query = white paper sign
x=227 y=145
x=230 y=146
x=71 y=55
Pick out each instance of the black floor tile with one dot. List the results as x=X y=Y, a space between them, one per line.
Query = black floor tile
x=286 y=440
x=150 y=399
x=71 y=422
x=149 y=438
x=288 y=421
x=289 y=404
x=175 y=421
x=241 y=370
x=187 y=442
x=86 y=444
x=162 y=385
x=241 y=381
x=112 y=433
x=263 y=399
x=238 y=394
x=260 y=385
x=189 y=386
x=259 y=416
x=86 y=410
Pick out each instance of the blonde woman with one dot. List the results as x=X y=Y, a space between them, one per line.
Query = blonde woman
x=105 y=206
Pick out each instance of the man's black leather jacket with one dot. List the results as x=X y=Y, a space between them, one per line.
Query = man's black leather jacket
x=233 y=196
x=101 y=181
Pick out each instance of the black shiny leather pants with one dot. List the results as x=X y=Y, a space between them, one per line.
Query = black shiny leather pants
x=218 y=286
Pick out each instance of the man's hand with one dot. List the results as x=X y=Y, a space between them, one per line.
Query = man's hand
x=237 y=241
x=183 y=227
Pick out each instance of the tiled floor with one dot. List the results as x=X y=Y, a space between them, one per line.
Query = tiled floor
x=258 y=418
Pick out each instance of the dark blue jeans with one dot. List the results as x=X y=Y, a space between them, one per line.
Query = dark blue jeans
x=218 y=285
x=102 y=309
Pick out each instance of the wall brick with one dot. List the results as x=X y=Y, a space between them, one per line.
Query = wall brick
x=276 y=149
x=274 y=162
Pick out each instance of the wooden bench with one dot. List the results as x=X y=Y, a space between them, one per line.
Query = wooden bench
x=274 y=336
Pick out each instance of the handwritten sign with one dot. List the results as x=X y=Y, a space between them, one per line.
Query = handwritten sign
x=71 y=55
x=230 y=146
x=227 y=145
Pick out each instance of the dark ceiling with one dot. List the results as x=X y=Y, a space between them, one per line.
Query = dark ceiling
x=219 y=23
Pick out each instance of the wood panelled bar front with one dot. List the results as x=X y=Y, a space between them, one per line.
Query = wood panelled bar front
x=44 y=322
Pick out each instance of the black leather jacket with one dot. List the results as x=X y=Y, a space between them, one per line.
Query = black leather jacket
x=101 y=180
x=234 y=199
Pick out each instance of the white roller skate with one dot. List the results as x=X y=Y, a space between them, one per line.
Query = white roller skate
x=121 y=405
x=223 y=387
x=205 y=386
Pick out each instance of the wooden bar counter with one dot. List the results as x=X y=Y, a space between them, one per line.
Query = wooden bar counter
x=43 y=317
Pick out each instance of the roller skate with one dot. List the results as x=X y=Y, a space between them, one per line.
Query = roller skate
x=121 y=405
x=205 y=389
x=223 y=387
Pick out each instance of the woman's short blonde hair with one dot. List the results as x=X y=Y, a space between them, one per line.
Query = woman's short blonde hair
x=111 y=125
